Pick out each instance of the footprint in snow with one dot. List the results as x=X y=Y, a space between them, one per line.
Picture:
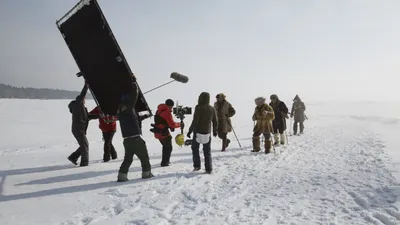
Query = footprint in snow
x=114 y=192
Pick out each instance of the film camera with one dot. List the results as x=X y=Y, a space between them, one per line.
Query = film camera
x=180 y=111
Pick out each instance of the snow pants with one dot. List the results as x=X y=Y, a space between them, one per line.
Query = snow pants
x=207 y=154
x=166 y=150
x=135 y=146
x=109 y=150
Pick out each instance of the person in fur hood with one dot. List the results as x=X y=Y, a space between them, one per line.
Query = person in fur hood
x=224 y=111
x=297 y=112
x=263 y=117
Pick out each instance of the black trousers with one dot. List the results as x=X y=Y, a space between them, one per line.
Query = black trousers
x=206 y=152
x=135 y=146
x=166 y=150
x=109 y=150
x=279 y=128
x=83 y=150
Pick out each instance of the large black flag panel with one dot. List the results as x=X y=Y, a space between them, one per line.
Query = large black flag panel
x=98 y=56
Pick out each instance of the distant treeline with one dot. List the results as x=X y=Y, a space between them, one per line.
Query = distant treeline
x=7 y=91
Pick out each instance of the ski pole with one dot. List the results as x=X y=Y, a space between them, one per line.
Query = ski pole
x=287 y=139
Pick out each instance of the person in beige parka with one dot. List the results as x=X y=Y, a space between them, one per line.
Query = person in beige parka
x=263 y=117
x=224 y=111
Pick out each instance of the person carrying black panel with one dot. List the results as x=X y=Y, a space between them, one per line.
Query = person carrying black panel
x=131 y=132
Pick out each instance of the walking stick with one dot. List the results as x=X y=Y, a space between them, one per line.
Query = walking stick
x=287 y=139
x=237 y=139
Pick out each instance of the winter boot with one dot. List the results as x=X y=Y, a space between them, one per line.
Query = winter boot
x=267 y=145
x=256 y=144
x=301 y=128
x=106 y=157
x=283 y=140
x=113 y=154
x=276 y=139
x=295 y=128
x=74 y=157
x=165 y=164
x=227 y=143
x=224 y=141
x=122 y=177
x=196 y=169
x=85 y=158
x=147 y=174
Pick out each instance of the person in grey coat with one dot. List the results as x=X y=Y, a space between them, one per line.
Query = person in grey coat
x=297 y=112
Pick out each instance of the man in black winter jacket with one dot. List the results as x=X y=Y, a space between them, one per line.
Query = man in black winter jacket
x=80 y=121
x=279 y=123
x=131 y=132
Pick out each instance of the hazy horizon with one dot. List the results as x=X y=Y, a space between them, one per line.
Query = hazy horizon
x=321 y=50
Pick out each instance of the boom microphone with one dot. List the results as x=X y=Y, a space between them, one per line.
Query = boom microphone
x=179 y=77
x=175 y=76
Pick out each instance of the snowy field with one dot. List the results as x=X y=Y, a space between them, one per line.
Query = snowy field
x=342 y=171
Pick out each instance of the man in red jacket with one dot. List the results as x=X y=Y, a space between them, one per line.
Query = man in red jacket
x=163 y=122
x=108 y=126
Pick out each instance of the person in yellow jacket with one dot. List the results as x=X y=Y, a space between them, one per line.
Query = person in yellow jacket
x=263 y=117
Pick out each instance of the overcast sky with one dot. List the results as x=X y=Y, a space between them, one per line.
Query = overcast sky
x=319 y=49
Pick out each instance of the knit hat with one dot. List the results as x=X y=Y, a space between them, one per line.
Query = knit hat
x=220 y=95
x=169 y=102
x=274 y=97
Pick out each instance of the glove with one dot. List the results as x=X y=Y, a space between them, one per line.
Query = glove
x=189 y=134
x=215 y=133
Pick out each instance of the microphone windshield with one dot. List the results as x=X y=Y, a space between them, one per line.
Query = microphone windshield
x=179 y=77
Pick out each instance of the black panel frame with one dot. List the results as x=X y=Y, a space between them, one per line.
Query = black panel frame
x=98 y=56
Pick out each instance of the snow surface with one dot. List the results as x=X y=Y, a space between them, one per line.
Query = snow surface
x=342 y=171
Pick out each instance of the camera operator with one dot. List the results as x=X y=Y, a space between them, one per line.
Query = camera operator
x=163 y=122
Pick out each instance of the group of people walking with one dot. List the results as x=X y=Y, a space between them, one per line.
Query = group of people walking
x=207 y=120
x=271 y=118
